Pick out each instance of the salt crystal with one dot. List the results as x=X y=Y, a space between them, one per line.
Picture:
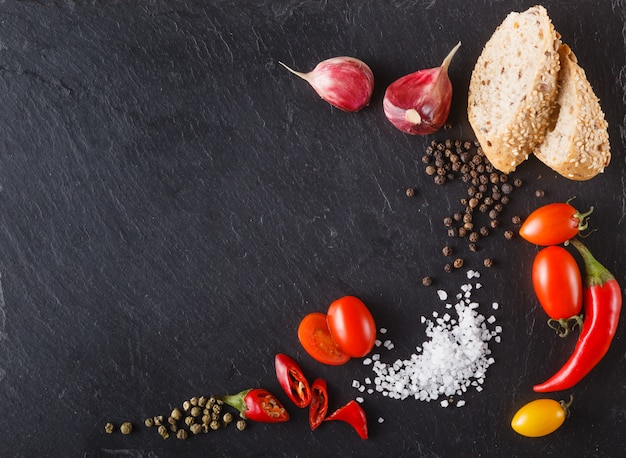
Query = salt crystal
x=461 y=403
x=495 y=306
x=381 y=419
x=452 y=359
x=359 y=399
x=383 y=330
x=377 y=343
x=367 y=361
x=355 y=384
x=442 y=295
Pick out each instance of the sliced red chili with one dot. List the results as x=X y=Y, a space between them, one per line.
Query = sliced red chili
x=319 y=403
x=602 y=298
x=258 y=404
x=353 y=414
x=292 y=380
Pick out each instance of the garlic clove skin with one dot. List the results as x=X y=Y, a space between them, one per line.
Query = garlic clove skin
x=419 y=103
x=345 y=82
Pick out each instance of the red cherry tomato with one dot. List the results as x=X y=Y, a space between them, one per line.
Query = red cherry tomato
x=557 y=282
x=315 y=338
x=553 y=224
x=352 y=326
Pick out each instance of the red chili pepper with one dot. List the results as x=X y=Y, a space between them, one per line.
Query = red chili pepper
x=353 y=414
x=257 y=404
x=292 y=380
x=603 y=304
x=319 y=403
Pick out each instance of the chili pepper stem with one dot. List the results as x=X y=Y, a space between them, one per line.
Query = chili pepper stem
x=236 y=400
x=597 y=274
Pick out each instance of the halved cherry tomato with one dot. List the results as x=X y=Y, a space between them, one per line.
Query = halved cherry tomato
x=540 y=417
x=315 y=338
x=557 y=282
x=319 y=403
x=292 y=380
x=352 y=326
x=553 y=224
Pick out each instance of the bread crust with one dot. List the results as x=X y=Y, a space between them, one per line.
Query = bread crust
x=510 y=118
x=577 y=144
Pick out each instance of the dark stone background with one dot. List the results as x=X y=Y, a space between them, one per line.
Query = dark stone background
x=173 y=202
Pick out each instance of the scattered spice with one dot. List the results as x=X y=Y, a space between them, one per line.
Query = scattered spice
x=509 y=234
x=488 y=262
x=126 y=427
x=163 y=432
x=427 y=281
x=410 y=192
x=447 y=250
x=487 y=192
x=458 y=263
x=540 y=193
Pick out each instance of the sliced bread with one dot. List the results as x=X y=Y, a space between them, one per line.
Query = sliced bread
x=513 y=87
x=577 y=143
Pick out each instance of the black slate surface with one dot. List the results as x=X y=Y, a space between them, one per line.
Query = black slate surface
x=173 y=202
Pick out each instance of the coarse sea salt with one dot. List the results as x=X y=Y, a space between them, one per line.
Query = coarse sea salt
x=454 y=357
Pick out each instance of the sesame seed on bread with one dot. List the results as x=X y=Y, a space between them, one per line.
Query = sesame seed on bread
x=513 y=87
x=577 y=143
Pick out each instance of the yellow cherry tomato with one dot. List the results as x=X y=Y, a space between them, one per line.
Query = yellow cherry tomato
x=540 y=417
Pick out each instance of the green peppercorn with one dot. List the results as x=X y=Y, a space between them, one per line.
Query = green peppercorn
x=163 y=432
x=227 y=418
x=241 y=425
x=126 y=427
x=149 y=422
x=196 y=411
x=215 y=425
x=109 y=428
x=196 y=428
x=189 y=420
x=176 y=414
x=181 y=434
x=202 y=400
